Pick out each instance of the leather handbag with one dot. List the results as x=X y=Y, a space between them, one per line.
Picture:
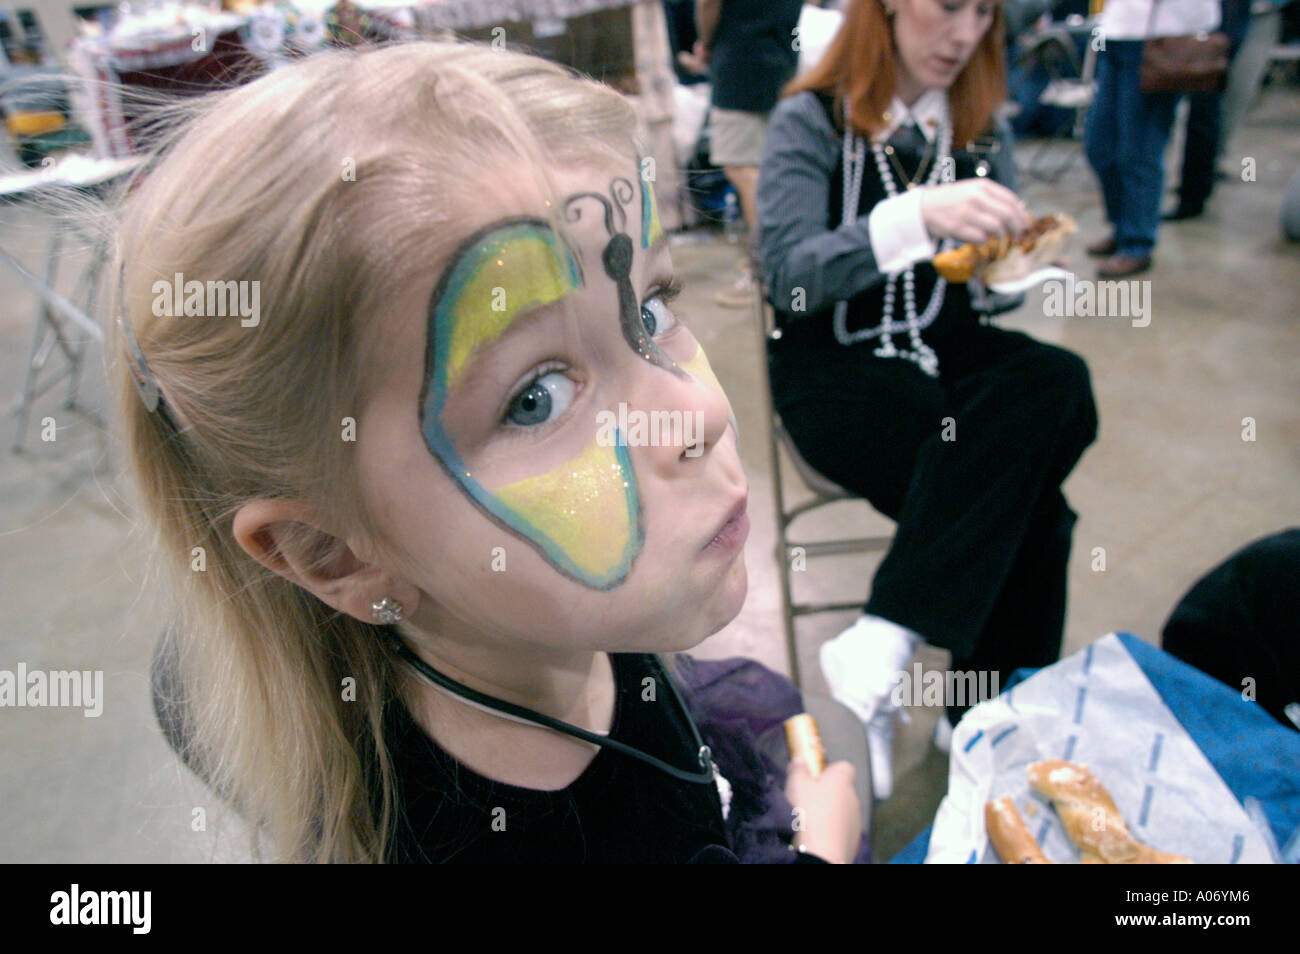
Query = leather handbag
x=1194 y=63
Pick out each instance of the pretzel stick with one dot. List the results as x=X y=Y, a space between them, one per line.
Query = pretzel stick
x=805 y=742
x=1091 y=818
x=1010 y=838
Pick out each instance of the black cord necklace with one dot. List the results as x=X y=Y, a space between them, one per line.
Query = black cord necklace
x=910 y=182
x=705 y=754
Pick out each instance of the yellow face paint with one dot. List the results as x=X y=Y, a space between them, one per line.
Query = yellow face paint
x=651 y=228
x=584 y=510
x=584 y=516
x=512 y=270
x=698 y=367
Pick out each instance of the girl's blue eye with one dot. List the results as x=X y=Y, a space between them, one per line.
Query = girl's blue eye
x=656 y=316
x=545 y=397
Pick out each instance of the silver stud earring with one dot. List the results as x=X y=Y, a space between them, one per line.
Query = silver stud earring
x=386 y=611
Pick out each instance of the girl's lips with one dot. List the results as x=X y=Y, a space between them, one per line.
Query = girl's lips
x=732 y=534
x=947 y=64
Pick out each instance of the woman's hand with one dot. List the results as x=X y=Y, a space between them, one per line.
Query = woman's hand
x=972 y=210
x=828 y=816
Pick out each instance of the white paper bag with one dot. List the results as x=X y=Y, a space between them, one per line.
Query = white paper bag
x=1098 y=708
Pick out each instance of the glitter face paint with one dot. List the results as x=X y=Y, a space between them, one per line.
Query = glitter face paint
x=586 y=512
x=583 y=517
x=511 y=269
x=651 y=229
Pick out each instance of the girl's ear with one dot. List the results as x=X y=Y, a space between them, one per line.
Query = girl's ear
x=286 y=538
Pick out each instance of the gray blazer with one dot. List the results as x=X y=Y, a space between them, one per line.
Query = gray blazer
x=800 y=153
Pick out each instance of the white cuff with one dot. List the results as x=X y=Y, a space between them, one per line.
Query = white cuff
x=898 y=234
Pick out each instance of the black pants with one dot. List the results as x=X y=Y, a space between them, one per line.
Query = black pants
x=1202 y=144
x=970 y=466
x=1201 y=149
x=1241 y=622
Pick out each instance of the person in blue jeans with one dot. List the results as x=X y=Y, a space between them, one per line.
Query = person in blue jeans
x=1127 y=130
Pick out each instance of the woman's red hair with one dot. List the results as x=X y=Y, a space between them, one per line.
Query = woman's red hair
x=859 y=65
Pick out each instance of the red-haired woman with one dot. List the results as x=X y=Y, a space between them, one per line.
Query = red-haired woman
x=888 y=378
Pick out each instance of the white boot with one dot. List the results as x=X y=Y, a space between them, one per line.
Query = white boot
x=862 y=667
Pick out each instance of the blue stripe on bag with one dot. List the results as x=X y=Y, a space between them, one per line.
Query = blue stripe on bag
x=1146 y=806
x=1002 y=735
x=1078 y=704
x=1155 y=751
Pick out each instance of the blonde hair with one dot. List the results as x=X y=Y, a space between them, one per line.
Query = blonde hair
x=330 y=182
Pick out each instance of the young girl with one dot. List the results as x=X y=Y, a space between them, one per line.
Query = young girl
x=434 y=578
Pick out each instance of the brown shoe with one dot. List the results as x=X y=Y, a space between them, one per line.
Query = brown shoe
x=1122 y=266
x=1103 y=248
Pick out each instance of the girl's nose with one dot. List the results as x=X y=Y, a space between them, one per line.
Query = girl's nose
x=682 y=415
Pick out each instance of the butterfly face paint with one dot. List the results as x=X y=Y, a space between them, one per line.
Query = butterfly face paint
x=583 y=516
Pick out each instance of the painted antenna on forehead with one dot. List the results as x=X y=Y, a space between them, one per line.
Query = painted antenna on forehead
x=622 y=191
x=617 y=259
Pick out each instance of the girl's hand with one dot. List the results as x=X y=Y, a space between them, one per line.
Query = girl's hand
x=973 y=210
x=828 y=816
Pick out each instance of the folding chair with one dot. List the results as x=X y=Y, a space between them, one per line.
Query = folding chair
x=1075 y=93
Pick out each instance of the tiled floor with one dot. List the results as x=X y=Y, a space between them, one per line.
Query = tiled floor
x=1169 y=489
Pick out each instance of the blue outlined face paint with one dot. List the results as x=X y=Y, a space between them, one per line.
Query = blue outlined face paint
x=651 y=228
x=583 y=516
